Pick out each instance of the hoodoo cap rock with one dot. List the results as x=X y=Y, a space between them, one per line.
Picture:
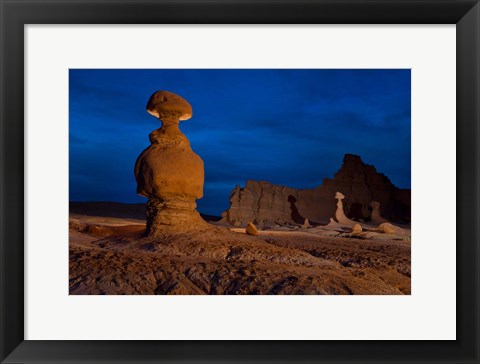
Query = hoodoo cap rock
x=167 y=104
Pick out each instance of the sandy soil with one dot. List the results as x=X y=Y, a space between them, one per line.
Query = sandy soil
x=112 y=256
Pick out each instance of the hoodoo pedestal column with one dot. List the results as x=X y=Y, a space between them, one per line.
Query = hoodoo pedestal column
x=168 y=172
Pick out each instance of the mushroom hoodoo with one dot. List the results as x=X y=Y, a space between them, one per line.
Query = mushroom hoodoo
x=376 y=218
x=168 y=172
x=340 y=214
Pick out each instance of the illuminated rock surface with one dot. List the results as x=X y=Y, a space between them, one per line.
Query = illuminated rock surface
x=168 y=172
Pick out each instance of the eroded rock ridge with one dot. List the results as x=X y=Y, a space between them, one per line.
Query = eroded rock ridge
x=265 y=203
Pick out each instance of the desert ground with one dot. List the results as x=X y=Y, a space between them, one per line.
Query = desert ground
x=110 y=254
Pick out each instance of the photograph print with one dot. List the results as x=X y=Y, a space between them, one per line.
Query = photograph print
x=239 y=181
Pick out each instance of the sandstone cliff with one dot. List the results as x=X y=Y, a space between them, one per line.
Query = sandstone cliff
x=267 y=204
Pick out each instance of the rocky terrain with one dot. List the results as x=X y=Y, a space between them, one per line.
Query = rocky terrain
x=115 y=256
x=267 y=204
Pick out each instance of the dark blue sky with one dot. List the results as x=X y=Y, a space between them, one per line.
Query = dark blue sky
x=288 y=127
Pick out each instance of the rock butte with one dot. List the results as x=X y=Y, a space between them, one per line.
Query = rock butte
x=168 y=172
x=265 y=203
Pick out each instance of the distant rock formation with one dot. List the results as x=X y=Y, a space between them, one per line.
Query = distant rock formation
x=306 y=224
x=375 y=217
x=388 y=228
x=340 y=216
x=251 y=229
x=168 y=172
x=357 y=228
x=268 y=204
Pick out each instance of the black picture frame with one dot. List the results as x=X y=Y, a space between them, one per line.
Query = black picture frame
x=17 y=13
